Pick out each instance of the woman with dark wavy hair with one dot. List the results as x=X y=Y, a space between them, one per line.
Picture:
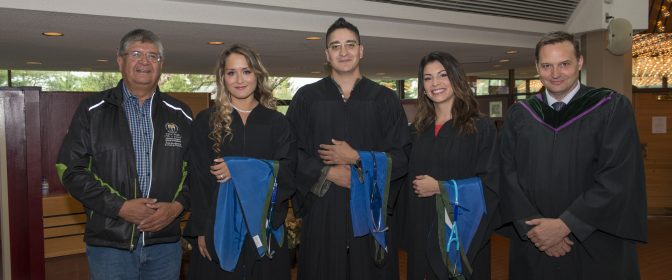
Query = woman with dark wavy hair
x=452 y=177
x=244 y=124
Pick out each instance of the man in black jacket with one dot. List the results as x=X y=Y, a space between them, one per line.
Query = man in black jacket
x=124 y=158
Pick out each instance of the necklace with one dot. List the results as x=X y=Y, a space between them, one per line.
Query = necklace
x=241 y=110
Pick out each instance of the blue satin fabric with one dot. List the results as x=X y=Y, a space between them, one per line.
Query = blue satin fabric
x=243 y=203
x=469 y=203
x=369 y=211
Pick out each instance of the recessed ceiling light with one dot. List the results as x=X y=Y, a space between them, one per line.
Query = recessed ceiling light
x=313 y=38
x=33 y=62
x=504 y=60
x=102 y=60
x=512 y=51
x=52 y=34
x=316 y=72
x=215 y=43
x=497 y=65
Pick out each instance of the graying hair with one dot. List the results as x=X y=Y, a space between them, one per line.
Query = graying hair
x=139 y=35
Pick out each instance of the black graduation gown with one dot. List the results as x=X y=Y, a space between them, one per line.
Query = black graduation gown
x=371 y=120
x=266 y=135
x=583 y=165
x=450 y=155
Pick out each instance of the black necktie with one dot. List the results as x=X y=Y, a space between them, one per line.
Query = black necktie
x=558 y=105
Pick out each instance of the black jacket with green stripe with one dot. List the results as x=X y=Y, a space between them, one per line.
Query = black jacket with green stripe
x=96 y=164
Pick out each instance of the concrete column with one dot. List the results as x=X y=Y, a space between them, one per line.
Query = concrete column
x=603 y=69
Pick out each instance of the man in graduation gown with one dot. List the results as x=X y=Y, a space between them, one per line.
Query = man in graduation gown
x=333 y=119
x=573 y=179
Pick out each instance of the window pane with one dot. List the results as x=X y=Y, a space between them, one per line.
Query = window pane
x=282 y=109
x=391 y=84
x=497 y=82
x=482 y=87
x=535 y=86
x=281 y=87
x=3 y=78
x=498 y=87
x=411 y=88
x=521 y=86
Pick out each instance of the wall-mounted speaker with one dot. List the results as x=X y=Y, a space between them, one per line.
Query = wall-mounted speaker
x=619 y=36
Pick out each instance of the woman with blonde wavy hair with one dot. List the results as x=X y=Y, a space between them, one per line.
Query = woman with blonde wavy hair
x=242 y=123
x=452 y=142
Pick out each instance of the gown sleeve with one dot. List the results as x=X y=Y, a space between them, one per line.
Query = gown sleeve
x=487 y=162
x=515 y=207
x=487 y=168
x=202 y=183
x=308 y=167
x=616 y=201
x=284 y=152
x=397 y=142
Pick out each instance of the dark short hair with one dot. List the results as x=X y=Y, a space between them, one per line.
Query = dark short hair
x=555 y=38
x=342 y=23
x=139 y=35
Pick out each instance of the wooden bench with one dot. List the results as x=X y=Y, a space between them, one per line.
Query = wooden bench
x=64 y=220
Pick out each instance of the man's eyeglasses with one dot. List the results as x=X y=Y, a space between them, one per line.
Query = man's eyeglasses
x=349 y=45
x=150 y=56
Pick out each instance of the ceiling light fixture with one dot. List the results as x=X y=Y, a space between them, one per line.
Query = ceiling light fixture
x=33 y=62
x=497 y=65
x=102 y=60
x=512 y=52
x=313 y=38
x=215 y=43
x=52 y=34
x=504 y=60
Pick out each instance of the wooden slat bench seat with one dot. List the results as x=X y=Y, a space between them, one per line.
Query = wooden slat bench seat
x=64 y=222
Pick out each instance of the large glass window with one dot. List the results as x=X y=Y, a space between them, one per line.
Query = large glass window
x=65 y=80
x=98 y=81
